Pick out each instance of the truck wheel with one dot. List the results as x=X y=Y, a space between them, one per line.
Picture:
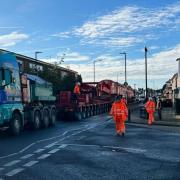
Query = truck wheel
x=37 y=120
x=83 y=115
x=15 y=124
x=53 y=117
x=78 y=116
x=45 y=121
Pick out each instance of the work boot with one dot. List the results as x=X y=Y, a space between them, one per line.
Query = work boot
x=123 y=134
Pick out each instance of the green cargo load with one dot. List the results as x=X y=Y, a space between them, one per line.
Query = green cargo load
x=40 y=89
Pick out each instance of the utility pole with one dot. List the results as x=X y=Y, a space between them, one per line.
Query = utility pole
x=145 y=49
x=94 y=71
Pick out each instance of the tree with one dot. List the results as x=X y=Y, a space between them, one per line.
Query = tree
x=68 y=82
x=79 y=78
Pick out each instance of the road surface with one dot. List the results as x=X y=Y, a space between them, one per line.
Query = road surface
x=90 y=150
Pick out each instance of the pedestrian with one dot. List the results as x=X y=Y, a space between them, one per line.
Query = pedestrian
x=77 y=88
x=124 y=100
x=159 y=108
x=150 y=108
x=76 y=92
x=119 y=112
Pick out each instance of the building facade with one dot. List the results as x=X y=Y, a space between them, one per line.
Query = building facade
x=27 y=63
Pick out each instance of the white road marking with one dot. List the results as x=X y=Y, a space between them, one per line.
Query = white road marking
x=31 y=163
x=27 y=147
x=65 y=133
x=27 y=156
x=55 y=137
x=62 y=146
x=39 y=150
x=51 y=145
x=14 y=172
x=53 y=151
x=44 y=156
x=12 y=163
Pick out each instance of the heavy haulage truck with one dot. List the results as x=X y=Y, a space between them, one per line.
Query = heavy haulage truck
x=24 y=99
x=27 y=99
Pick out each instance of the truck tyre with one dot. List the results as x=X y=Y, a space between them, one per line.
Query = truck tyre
x=15 y=124
x=87 y=113
x=46 y=118
x=78 y=116
x=83 y=115
x=36 y=120
x=53 y=117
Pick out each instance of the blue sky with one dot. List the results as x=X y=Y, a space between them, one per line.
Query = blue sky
x=87 y=30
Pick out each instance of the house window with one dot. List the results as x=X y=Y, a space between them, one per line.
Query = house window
x=34 y=66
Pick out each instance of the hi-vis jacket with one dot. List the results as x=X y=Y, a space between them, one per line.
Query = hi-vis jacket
x=150 y=106
x=76 y=89
x=119 y=111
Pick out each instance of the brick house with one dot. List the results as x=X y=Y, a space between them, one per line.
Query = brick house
x=27 y=63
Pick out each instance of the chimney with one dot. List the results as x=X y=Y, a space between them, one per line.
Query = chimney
x=178 y=66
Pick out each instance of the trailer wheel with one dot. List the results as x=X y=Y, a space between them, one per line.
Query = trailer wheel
x=15 y=124
x=46 y=118
x=87 y=113
x=78 y=116
x=83 y=115
x=37 y=120
x=53 y=117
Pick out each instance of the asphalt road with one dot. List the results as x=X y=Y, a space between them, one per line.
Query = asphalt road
x=90 y=150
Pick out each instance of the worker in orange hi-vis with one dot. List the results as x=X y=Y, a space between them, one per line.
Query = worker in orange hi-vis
x=77 y=88
x=76 y=92
x=119 y=112
x=124 y=100
x=150 y=108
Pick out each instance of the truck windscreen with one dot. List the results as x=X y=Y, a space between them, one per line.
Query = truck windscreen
x=1 y=76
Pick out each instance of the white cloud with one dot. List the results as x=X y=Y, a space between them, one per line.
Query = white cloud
x=161 y=66
x=107 y=29
x=68 y=57
x=62 y=35
x=114 y=41
x=12 y=39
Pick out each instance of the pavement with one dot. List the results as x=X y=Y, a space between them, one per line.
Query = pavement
x=168 y=117
x=90 y=149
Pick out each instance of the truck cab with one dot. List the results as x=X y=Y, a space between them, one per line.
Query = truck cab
x=11 y=107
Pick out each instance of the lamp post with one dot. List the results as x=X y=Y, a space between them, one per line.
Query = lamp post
x=36 y=53
x=94 y=62
x=125 y=66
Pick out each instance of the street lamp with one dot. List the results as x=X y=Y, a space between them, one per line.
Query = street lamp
x=125 y=65
x=36 y=53
x=94 y=62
